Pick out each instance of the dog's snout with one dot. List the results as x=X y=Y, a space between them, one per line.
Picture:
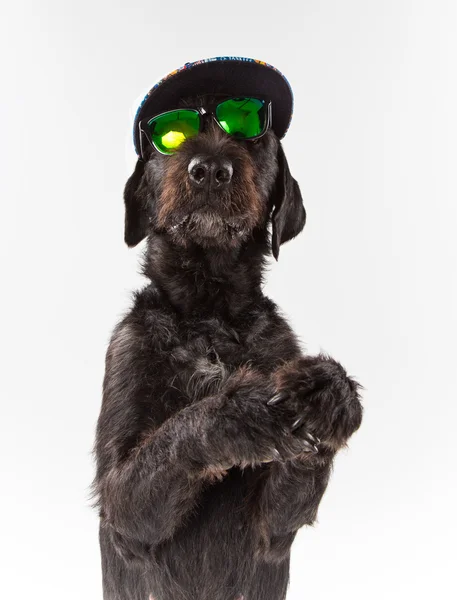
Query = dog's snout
x=222 y=172
x=214 y=172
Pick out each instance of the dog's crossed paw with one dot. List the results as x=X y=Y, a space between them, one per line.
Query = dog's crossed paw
x=317 y=401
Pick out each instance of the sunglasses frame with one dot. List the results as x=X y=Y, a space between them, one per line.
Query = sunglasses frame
x=210 y=110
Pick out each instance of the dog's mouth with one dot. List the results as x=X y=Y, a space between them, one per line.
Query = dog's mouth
x=209 y=227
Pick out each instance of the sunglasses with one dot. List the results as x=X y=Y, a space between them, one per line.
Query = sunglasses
x=243 y=118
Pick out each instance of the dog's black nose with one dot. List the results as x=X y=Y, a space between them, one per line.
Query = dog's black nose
x=210 y=171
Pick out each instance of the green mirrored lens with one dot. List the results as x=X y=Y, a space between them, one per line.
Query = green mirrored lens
x=170 y=130
x=242 y=117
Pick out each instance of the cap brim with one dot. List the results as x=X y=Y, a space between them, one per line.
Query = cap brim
x=225 y=75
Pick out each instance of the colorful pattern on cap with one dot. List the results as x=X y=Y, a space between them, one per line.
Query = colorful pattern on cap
x=189 y=65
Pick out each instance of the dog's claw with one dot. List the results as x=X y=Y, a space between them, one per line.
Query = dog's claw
x=279 y=397
x=313 y=438
x=296 y=424
x=310 y=447
x=276 y=456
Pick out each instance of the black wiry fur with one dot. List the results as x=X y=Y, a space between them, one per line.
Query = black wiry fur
x=206 y=441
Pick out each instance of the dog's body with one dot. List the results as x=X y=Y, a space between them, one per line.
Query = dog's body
x=202 y=484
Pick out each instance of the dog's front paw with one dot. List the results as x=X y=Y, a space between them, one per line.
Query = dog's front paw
x=316 y=399
x=249 y=432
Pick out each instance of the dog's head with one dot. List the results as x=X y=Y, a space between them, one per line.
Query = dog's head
x=214 y=191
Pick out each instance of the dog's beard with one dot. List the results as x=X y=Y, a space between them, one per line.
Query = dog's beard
x=208 y=228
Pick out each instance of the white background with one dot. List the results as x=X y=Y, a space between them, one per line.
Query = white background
x=371 y=280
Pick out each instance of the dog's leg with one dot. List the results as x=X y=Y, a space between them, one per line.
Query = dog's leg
x=286 y=499
x=328 y=411
x=145 y=498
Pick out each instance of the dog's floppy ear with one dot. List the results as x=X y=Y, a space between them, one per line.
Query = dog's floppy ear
x=289 y=215
x=136 y=207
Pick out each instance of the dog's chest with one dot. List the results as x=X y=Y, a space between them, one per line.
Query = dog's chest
x=208 y=354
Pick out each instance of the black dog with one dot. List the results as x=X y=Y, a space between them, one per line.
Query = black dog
x=216 y=435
